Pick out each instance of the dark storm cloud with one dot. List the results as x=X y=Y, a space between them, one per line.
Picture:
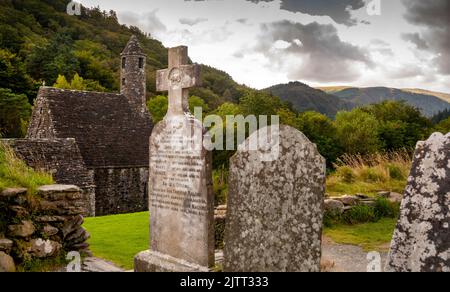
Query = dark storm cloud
x=338 y=10
x=325 y=57
x=434 y=17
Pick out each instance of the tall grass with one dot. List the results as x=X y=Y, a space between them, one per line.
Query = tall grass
x=15 y=173
x=370 y=174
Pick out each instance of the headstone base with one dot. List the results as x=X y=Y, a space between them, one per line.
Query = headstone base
x=152 y=261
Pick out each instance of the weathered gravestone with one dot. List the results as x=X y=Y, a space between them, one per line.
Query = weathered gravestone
x=421 y=241
x=180 y=186
x=275 y=208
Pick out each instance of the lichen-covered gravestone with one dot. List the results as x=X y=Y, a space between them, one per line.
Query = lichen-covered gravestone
x=180 y=185
x=275 y=208
x=421 y=241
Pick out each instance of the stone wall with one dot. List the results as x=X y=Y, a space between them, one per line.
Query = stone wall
x=61 y=158
x=40 y=226
x=120 y=190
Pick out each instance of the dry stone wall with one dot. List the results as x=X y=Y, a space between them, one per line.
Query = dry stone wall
x=41 y=226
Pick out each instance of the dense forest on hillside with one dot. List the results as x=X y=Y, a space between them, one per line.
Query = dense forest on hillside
x=39 y=41
x=41 y=44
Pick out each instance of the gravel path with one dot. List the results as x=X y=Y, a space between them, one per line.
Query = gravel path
x=345 y=258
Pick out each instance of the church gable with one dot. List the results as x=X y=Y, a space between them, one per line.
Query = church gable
x=109 y=132
x=41 y=124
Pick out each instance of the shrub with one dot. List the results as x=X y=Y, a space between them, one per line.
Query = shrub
x=395 y=172
x=331 y=218
x=385 y=208
x=360 y=214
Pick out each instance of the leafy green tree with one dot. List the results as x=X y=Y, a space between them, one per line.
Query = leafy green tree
x=195 y=101
x=57 y=57
x=61 y=82
x=13 y=74
x=157 y=106
x=442 y=115
x=15 y=112
x=321 y=131
x=227 y=109
x=93 y=59
x=357 y=132
x=400 y=125
x=259 y=103
x=289 y=118
x=77 y=83
x=222 y=157
x=443 y=126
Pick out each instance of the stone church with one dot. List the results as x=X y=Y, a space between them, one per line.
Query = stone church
x=98 y=141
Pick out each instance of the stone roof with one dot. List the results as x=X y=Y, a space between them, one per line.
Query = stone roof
x=133 y=47
x=108 y=131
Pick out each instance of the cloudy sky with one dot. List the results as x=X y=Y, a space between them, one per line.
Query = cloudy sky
x=398 y=43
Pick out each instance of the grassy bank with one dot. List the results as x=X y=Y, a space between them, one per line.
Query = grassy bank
x=15 y=173
x=370 y=174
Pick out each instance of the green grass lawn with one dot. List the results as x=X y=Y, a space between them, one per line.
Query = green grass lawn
x=370 y=236
x=119 y=238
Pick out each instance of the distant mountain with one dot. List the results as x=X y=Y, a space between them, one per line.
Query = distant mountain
x=305 y=98
x=443 y=96
x=428 y=104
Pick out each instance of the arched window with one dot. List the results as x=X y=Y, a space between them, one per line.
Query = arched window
x=124 y=61
x=141 y=63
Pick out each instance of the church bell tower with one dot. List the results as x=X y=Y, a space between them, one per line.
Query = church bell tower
x=132 y=74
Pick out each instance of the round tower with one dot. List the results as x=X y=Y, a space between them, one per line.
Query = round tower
x=132 y=74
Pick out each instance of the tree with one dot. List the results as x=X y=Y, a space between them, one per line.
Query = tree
x=222 y=157
x=78 y=83
x=259 y=103
x=400 y=125
x=321 y=131
x=61 y=82
x=227 y=109
x=442 y=115
x=57 y=57
x=15 y=112
x=13 y=74
x=157 y=107
x=444 y=126
x=195 y=101
x=357 y=132
x=289 y=118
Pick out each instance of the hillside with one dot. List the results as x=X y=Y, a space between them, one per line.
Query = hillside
x=39 y=41
x=443 y=96
x=333 y=89
x=305 y=98
x=429 y=105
